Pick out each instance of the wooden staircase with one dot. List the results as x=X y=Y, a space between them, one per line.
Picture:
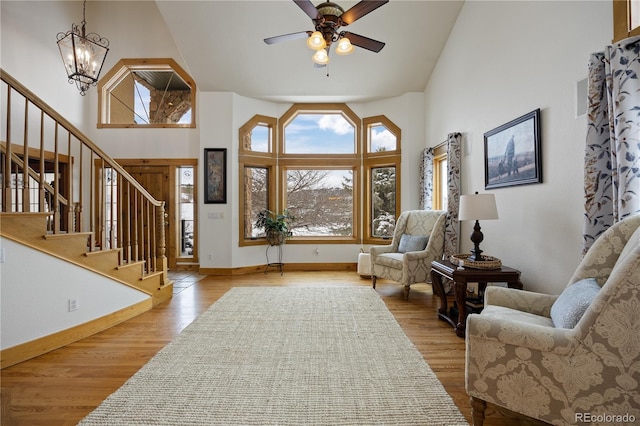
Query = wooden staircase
x=62 y=195
x=30 y=229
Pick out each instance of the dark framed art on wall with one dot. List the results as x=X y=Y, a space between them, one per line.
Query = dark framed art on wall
x=512 y=153
x=215 y=175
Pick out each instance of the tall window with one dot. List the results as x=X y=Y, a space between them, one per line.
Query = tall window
x=257 y=178
x=382 y=164
x=315 y=169
x=440 y=191
x=186 y=210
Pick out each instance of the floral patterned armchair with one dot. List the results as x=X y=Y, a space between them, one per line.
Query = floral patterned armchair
x=418 y=239
x=519 y=358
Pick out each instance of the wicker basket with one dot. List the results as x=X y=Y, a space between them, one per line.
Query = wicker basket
x=487 y=262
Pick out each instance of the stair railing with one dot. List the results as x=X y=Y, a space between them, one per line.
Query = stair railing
x=51 y=167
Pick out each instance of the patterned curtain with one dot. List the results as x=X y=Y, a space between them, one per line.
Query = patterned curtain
x=612 y=154
x=452 y=230
x=426 y=179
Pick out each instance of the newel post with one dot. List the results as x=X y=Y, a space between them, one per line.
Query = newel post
x=161 y=258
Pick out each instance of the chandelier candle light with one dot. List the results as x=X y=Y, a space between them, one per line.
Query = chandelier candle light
x=477 y=207
x=83 y=54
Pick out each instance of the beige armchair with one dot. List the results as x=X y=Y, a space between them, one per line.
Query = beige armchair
x=418 y=239
x=537 y=355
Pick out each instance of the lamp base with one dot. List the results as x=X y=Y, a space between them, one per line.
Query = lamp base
x=476 y=255
x=476 y=239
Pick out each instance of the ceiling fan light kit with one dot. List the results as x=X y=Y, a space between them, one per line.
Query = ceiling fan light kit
x=321 y=57
x=316 y=41
x=327 y=18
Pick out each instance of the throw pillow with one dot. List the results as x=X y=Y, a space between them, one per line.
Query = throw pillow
x=569 y=307
x=412 y=243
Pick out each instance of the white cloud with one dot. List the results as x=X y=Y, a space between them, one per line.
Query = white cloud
x=384 y=139
x=336 y=123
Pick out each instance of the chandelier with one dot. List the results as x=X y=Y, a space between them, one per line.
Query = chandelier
x=83 y=54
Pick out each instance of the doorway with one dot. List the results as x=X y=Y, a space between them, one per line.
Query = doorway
x=173 y=181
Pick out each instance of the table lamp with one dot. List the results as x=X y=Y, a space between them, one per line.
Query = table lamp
x=477 y=207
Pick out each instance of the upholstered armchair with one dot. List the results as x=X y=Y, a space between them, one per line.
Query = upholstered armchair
x=565 y=359
x=418 y=239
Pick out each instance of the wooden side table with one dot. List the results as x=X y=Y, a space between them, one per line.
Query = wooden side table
x=460 y=278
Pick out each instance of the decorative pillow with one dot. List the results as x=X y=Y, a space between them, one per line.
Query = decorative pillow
x=412 y=243
x=569 y=307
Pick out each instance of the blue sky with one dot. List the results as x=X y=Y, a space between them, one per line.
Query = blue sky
x=322 y=134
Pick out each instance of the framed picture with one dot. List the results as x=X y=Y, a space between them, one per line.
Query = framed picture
x=215 y=176
x=512 y=153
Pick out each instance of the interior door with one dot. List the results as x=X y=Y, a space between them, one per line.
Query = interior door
x=155 y=179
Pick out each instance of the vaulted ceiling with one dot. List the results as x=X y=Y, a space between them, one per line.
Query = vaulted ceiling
x=222 y=44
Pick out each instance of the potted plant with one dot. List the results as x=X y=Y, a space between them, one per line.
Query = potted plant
x=277 y=227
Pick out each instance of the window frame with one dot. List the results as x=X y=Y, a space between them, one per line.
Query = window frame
x=256 y=159
x=361 y=162
x=121 y=69
x=439 y=157
x=622 y=21
x=372 y=160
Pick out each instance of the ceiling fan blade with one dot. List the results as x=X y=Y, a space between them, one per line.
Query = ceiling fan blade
x=308 y=8
x=361 y=9
x=287 y=37
x=364 y=42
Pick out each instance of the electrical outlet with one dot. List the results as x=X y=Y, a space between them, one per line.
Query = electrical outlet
x=74 y=304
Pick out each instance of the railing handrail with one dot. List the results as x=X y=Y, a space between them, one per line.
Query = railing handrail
x=33 y=98
x=101 y=199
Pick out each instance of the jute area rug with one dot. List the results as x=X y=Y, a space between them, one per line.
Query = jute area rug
x=285 y=356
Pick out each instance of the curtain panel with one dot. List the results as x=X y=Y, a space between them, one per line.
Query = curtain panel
x=426 y=179
x=612 y=153
x=452 y=229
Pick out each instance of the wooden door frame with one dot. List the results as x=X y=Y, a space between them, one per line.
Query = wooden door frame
x=173 y=164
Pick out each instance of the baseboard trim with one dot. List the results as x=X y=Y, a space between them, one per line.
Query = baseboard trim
x=34 y=348
x=291 y=267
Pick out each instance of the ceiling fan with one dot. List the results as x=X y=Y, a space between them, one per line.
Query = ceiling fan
x=327 y=19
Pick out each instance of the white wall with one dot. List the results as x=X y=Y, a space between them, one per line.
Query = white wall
x=29 y=53
x=35 y=301
x=503 y=60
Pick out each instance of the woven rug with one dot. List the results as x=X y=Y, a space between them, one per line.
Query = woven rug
x=285 y=356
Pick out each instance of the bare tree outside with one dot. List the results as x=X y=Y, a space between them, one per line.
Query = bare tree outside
x=321 y=200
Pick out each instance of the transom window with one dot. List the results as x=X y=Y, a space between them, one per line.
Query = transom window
x=146 y=93
x=311 y=133
x=315 y=169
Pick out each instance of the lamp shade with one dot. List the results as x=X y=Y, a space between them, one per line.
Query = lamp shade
x=478 y=207
x=344 y=46
x=321 y=57
x=316 y=41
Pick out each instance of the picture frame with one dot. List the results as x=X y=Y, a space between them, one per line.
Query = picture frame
x=512 y=153
x=215 y=175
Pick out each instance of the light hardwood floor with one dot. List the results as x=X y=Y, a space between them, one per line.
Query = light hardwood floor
x=63 y=386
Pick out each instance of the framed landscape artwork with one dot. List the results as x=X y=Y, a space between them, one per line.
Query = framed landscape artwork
x=215 y=175
x=512 y=153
